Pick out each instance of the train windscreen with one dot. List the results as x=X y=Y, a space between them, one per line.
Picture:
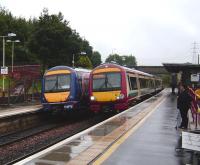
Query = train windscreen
x=57 y=83
x=106 y=82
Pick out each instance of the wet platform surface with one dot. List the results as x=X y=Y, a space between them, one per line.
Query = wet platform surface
x=92 y=143
x=155 y=142
x=19 y=109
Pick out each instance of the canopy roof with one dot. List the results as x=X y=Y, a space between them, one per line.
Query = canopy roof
x=177 y=67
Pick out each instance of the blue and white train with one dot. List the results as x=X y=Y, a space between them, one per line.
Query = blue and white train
x=65 y=88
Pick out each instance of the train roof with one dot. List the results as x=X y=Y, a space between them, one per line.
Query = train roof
x=124 y=68
x=82 y=70
x=60 y=68
x=137 y=71
x=68 y=68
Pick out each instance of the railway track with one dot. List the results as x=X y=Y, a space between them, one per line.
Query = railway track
x=20 y=135
x=19 y=145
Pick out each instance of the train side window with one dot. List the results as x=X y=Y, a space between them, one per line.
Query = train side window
x=150 y=84
x=133 y=83
x=140 y=82
x=157 y=83
x=153 y=83
x=147 y=84
x=143 y=83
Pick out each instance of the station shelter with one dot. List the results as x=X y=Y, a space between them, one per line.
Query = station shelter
x=184 y=72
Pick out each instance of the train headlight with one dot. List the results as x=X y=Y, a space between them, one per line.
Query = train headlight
x=92 y=98
x=121 y=96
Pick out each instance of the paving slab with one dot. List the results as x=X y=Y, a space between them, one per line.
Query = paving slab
x=19 y=109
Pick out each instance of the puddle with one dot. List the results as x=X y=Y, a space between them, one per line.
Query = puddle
x=61 y=157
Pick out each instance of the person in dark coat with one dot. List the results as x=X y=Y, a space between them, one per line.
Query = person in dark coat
x=183 y=104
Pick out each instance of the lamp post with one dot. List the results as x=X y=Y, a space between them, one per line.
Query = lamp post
x=9 y=35
x=13 y=45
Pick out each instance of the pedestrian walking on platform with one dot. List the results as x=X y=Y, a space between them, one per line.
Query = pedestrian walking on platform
x=184 y=104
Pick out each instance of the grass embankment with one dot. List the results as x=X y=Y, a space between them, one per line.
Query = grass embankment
x=6 y=82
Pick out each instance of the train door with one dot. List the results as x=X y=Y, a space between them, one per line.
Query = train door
x=132 y=85
x=128 y=86
x=138 y=85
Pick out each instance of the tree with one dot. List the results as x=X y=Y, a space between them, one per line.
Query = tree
x=96 y=59
x=54 y=42
x=129 y=61
x=84 y=62
x=114 y=58
x=47 y=40
x=85 y=47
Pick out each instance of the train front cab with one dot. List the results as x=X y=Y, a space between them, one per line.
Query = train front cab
x=108 y=89
x=60 y=89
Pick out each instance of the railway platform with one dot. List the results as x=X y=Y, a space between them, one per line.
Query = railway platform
x=6 y=111
x=144 y=134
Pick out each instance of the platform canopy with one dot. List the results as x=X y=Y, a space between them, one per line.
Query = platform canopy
x=177 y=67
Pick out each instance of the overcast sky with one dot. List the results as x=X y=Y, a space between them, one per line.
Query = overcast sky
x=154 y=31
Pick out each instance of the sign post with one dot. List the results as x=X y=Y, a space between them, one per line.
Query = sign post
x=4 y=71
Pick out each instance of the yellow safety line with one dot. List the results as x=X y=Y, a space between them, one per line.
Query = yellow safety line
x=107 y=154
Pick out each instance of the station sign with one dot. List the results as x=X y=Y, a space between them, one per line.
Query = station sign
x=195 y=77
x=4 y=70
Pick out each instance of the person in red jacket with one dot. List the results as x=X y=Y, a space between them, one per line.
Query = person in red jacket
x=183 y=104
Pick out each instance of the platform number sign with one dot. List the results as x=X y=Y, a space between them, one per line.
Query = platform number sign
x=4 y=70
x=194 y=78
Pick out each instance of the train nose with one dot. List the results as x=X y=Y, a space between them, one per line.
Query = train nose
x=106 y=96
x=56 y=97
